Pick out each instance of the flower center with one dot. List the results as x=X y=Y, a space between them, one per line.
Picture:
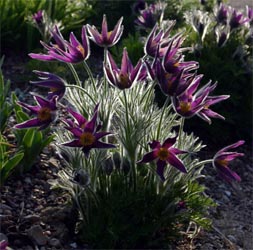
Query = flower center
x=223 y=163
x=185 y=107
x=109 y=34
x=44 y=114
x=124 y=81
x=81 y=49
x=87 y=139
x=163 y=153
x=54 y=90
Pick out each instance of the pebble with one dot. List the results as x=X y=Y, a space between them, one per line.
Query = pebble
x=74 y=245
x=3 y=237
x=36 y=234
x=54 y=242
x=232 y=238
x=228 y=193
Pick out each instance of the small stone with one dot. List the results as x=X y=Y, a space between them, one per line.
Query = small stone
x=232 y=238
x=74 y=245
x=3 y=237
x=28 y=180
x=53 y=162
x=36 y=234
x=54 y=242
x=228 y=193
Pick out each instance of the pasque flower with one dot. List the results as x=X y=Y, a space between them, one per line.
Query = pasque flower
x=188 y=104
x=51 y=81
x=237 y=19
x=222 y=159
x=124 y=77
x=222 y=14
x=45 y=112
x=105 y=38
x=69 y=52
x=86 y=133
x=173 y=84
x=38 y=17
x=157 y=41
x=164 y=154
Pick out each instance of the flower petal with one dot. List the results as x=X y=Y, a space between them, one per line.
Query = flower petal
x=175 y=162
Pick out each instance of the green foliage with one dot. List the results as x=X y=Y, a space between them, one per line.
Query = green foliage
x=16 y=33
x=30 y=141
x=5 y=106
x=115 y=196
x=230 y=66
x=9 y=159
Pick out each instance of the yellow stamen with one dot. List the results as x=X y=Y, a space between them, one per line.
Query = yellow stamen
x=44 y=114
x=87 y=139
x=176 y=64
x=163 y=154
x=185 y=107
x=124 y=81
x=54 y=90
x=109 y=34
x=81 y=49
x=222 y=162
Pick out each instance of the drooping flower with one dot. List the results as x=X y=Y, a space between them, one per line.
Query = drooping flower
x=157 y=41
x=206 y=113
x=105 y=38
x=237 y=20
x=38 y=17
x=87 y=135
x=173 y=84
x=69 y=52
x=52 y=81
x=45 y=112
x=127 y=75
x=222 y=159
x=173 y=61
x=188 y=104
x=164 y=154
x=222 y=36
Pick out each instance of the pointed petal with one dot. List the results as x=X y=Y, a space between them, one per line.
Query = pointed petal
x=30 y=123
x=104 y=31
x=169 y=142
x=160 y=169
x=74 y=143
x=177 y=163
x=155 y=144
x=99 y=144
x=148 y=157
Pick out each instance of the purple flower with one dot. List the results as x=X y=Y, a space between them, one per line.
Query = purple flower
x=4 y=245
x=150 y=15
x=172 y=84
x=69 y=52
x=86 y=133
x=222 y=159
x=222 y=36
x=138 y=6
x=173 y=61
x=237 y=20
x=106 y=39
x=157 y=41
x=222 y=14
x=38 y=17
x=188 y=104
x=206 y=113
x=164 y=154
x=127 y=75
x=52 y=81
x=45 y=111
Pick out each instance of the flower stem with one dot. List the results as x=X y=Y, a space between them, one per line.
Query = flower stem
x=87 y=68
x=83 y=90
x=161 y=118
x=180 y=132
x=71 y=67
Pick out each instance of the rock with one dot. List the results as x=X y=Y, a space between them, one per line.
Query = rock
x=28 y=180
x=32 y=218
x=53 y=162
x=74 y=245
x=3 y=237
x=36 y=234
x=228 y=193
x=54 y=242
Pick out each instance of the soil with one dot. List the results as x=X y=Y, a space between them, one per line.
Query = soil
x=33 y=216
